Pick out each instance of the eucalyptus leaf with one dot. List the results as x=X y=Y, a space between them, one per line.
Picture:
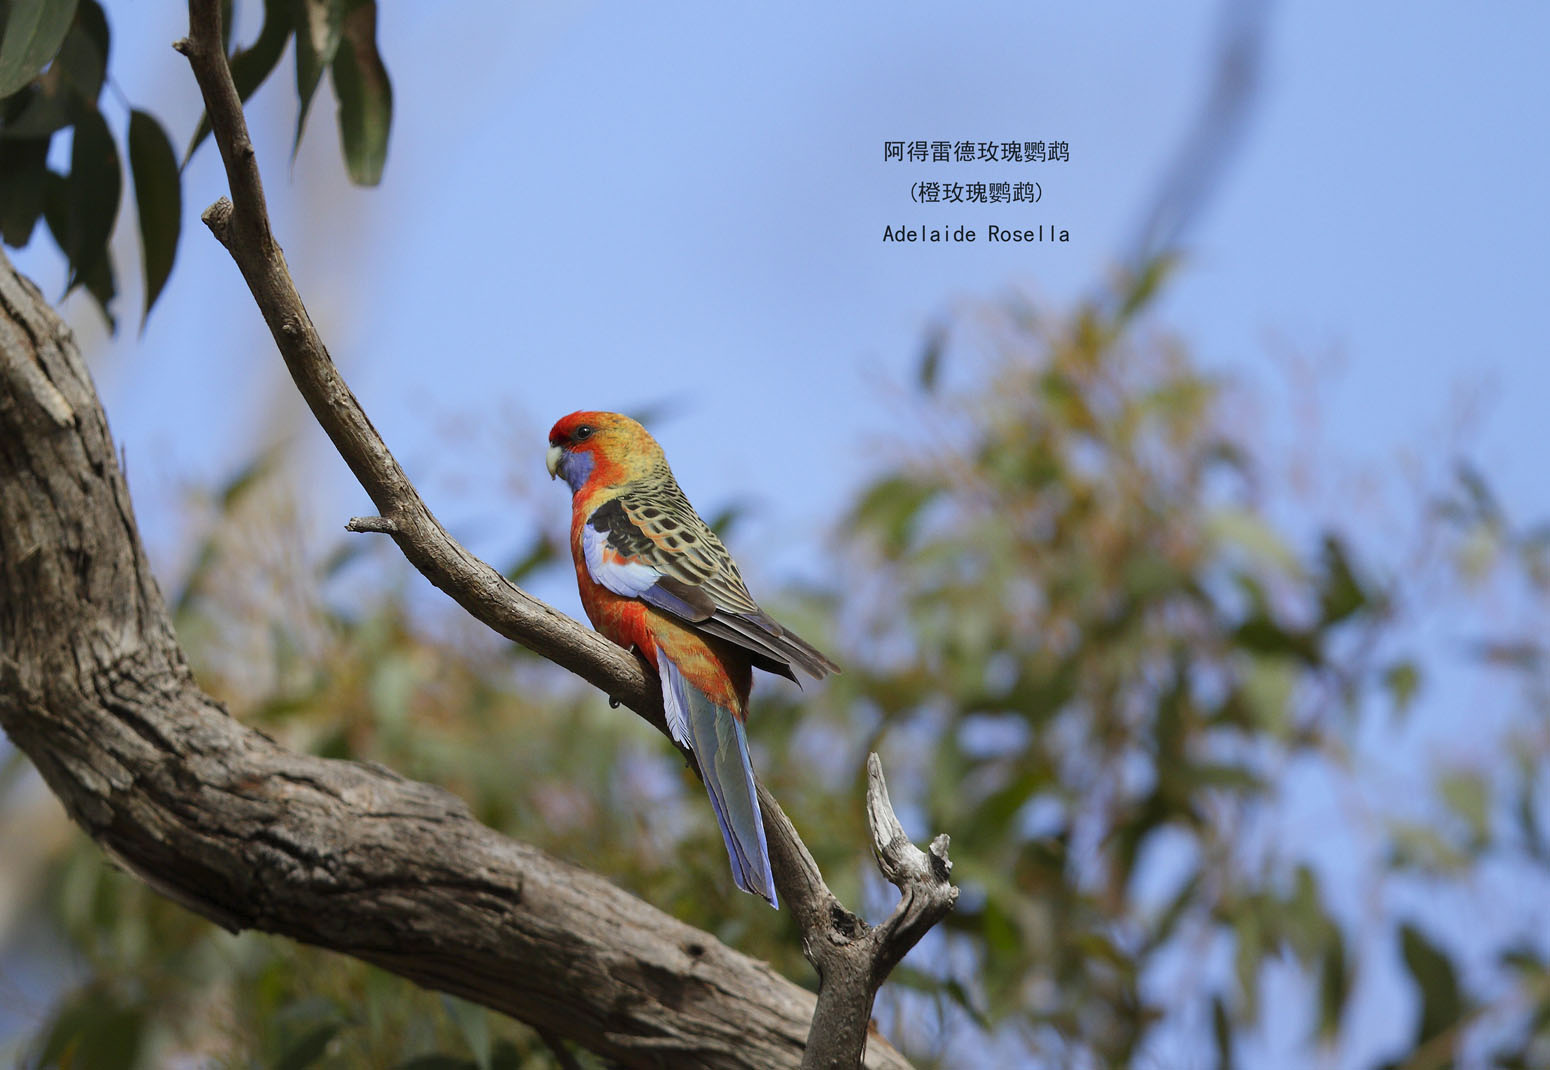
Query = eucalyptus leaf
x=95 y=184
x=159 y=198
x=83 y=56
x=365 y=96
x=309 y=1048
x=36 y=111
x=539 y=553
x=1402 y=680
x=1434 y=977
x=1334 y=985
x=1341 y=593
x=99 y=281
x=23 y=166
x=34 y=30
x=1221 y=1032
x=319 y=25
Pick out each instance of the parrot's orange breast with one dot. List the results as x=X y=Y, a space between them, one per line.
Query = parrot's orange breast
x=622 y=620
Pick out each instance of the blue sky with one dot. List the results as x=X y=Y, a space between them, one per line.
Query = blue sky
x=616 y=206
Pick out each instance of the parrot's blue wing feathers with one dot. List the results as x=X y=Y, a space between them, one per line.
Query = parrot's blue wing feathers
x=719 y=743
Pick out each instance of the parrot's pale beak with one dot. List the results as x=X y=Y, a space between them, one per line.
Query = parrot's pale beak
x=552 y=460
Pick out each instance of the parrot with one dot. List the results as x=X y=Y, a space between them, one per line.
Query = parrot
x=656 y=579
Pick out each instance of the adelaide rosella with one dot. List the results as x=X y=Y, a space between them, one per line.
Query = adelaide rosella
x=655 y=578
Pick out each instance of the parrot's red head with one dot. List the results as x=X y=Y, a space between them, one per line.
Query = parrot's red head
x=613 y=447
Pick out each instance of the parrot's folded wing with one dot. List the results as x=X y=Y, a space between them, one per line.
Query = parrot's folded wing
x=657 y=549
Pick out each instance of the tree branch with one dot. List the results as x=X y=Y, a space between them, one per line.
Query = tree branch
x=851 y=959
x=95 y=690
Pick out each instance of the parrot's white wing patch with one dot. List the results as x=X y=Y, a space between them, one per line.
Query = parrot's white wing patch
x=621 y=576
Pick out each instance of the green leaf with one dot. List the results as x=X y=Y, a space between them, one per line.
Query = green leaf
x=1224 y=777
x=723 y=521
x=318 y=29
x=1145 y=285
x=931 y=359
x=308 y=1048
x=1432 y=971
x=1527 y=809
x=36 y=111
x=92 y=194
x=1302 y=922
x=1334 y=985
x=57 y=212
x=1002 y=804
x=1413 y=845
x=97 y=1030
x=365 y=96
x=1467 y=796
x=1402 y=680
x=34 y=30
x=1221 y=1031
x=1268 y=688
x=507 y=1057
x=1262 y=635
x=159 y=197
x=890 y=508
x=1523 y=958
x=341 y=556
x=538 y=554
x=1478 y=491
x=249 y=478
x=1179 y=904
x=99 y=282
x=1247 y=955
x=251 y=65
x=23 y=167
x=83 y=56
x=1340 y=594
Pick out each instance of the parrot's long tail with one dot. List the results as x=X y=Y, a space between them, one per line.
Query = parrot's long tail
x=716 y=737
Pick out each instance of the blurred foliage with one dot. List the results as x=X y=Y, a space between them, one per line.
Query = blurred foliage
x=1099 y=654
x=54 y=80
x=1085 y=650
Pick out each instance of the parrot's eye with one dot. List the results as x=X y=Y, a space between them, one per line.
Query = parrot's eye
x=582 y=433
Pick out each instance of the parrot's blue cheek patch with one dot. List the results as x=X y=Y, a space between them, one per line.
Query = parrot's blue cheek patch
x=575 y=469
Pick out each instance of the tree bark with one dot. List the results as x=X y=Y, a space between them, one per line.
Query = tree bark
x=95 y=690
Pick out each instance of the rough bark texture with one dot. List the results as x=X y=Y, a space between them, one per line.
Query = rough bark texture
x=94 y=688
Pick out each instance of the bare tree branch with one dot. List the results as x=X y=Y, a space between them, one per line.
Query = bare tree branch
x=95 y=690
x=851 y=959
